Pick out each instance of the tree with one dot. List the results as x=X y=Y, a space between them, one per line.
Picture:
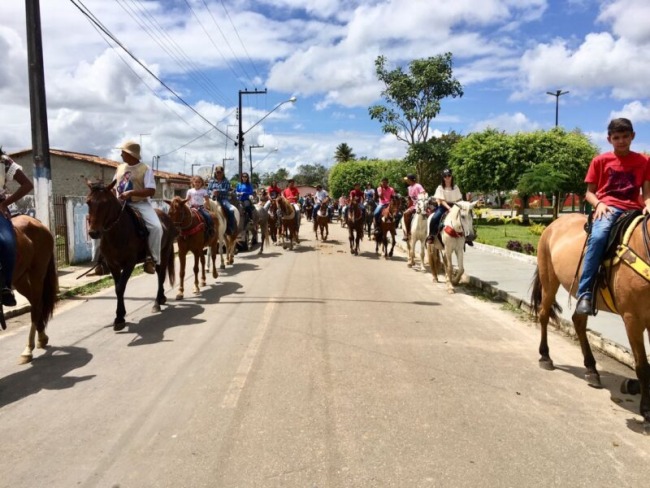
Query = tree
x=343 y=153
x=342 y=177
x=311 y=174
x=280 y=175
x=431 y=157
x=414 y=98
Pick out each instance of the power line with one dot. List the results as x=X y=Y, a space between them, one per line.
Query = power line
x=240 y=40
x=85 y=11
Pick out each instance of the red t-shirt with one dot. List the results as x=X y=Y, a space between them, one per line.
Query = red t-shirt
x=273 y=189
x=619 y=179
x=358 y=194
x=291 y=194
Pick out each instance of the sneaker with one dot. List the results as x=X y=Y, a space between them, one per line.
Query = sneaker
x=584 y=306
x=8 y=297
x=149 y=266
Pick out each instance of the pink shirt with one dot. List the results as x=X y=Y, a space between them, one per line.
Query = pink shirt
x=385 y=194
x=414 y=190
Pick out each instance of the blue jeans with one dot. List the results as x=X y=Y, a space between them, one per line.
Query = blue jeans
x=377 y=213
x=7 y=250
x=595 y=250
x=208 y=220
x=230 y=214
x=434 y=226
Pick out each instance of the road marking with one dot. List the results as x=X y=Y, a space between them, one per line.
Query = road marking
x=231 y=398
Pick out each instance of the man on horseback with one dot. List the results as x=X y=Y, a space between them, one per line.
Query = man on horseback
x=197 y=195
x=446 y=195
x=369 y=193
x=320 y=197
x=414 y=189
x=135 y=187
x=292 y=194
x=219 y=189
x=9 y=171
x=614 y=184
x=385 y=194
x=356 y=194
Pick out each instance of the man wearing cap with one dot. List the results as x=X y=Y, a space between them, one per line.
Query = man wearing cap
x=135 y=186
x=414 y=190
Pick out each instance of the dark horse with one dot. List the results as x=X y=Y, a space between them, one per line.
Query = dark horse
x=388 y=224
x=355 y=222
x=193 y=238
x=558 y=258
x=122 y=245
x=35 y=278
x=370 y=207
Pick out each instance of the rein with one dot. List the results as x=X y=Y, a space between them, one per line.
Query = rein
x=107 y=229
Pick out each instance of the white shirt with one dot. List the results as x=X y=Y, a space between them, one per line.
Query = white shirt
x=320 y=196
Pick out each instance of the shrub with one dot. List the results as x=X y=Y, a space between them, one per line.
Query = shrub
x=529 y=249
x=536 y=229
x=515 y=246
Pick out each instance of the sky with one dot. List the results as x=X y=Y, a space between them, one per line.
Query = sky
x=507 y=55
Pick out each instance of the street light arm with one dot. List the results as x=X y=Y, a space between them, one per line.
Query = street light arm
x=292 y=100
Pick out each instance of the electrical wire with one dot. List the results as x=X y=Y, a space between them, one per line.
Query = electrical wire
x=240 y=40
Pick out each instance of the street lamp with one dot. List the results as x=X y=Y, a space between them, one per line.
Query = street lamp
x=557 y=94
x=240 y=137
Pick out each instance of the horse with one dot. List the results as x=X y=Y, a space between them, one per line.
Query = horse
x=559 y=255
x=122 y=245
x=263 y=223
x=418 y=230
x=370 y=206
x=35 y=278
x=388 y=224
x=227 y=240
x=247 y=226
x=355 y=223
x=290 y=223
x=191 y=227
x=321 y=222
x=308 y=208
x=458 y=226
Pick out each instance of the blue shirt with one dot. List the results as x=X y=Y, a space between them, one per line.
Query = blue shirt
x=222 y=189
x=244 y=191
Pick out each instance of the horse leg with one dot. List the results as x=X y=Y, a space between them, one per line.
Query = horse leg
x=422 y=265
x=182 y=258
x=198 y=258
x=160 y=295
x=433 y=261
x=410 y=261
x=449 y=269
x=393 y=239
x=580 y=325
x=213 y=259
x=120 y=288
x=458 y=274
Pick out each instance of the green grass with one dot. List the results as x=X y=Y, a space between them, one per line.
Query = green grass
x=498 y=235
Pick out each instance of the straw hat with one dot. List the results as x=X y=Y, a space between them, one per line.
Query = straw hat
x=132 y=148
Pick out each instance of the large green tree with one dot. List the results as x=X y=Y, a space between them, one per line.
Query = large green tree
x=281 y=174
x=342 y=177
x=413 y=98
x=343 y=153
x=311 y=174
x=431 y=157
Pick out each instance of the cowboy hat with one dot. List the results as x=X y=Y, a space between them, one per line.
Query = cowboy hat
x=132 y=148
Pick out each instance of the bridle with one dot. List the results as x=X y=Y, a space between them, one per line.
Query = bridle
x=180 y=225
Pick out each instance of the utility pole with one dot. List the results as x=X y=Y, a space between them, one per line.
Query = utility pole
x=38 y=110
x=557 y=94
x=240 y=135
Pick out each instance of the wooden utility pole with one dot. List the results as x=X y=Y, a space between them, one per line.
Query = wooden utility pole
x=38 y=110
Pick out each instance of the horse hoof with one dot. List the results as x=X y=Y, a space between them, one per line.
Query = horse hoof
x=223 y=266
x=593 y=380
x=409 y=265
x=119 y=325
x=546 y=364
x=25 y=359
x=180 y=296
x=631 y=387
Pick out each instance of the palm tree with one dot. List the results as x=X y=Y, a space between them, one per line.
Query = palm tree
x=343 y=153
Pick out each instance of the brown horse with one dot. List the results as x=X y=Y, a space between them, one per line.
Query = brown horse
x=321 y=222
x=35 y=278
x=290 y=221
x=355 y=222
x=558 y=257
x=273 y=221
x=388 y=224
x=122 y=246
x=191 y=227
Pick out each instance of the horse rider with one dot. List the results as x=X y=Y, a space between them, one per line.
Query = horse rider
x=414 y=190
x=292 y=194
x=245 y=191
x=369 y=193
x=356 y=194
x=385 y=193
x=446 y=195
x=219 y=189
x=274 y=190
x=321 y=197
x=135 y=187
x=9 y=171
x=197 y=195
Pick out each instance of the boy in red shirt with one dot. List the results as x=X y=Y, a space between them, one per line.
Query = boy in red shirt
x=613 y=183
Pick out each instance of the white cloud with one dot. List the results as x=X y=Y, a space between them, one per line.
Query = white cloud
x=635 y=111
x=625 y=16
x=511 y=123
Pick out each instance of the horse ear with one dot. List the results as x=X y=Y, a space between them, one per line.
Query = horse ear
x=168 y=202
x=186 y=200
x=112 y=185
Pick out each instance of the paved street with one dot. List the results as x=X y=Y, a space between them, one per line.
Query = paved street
x=311 y=368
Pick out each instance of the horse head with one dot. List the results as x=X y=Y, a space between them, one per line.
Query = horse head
x=104 y=209
x=461 y=219
x=179 y=212
x=422 y=203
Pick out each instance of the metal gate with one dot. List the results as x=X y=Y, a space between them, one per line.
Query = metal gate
x=60 y=231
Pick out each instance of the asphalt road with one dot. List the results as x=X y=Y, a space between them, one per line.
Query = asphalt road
x=310 y=368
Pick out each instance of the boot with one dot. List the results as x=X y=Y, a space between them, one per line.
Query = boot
x=8 y=297
x=584 y=306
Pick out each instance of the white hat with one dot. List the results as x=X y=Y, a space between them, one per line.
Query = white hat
x=132 y=148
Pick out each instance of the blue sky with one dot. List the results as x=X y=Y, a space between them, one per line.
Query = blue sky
x=507 y=55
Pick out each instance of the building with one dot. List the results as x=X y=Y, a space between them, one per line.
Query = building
x=71 y=171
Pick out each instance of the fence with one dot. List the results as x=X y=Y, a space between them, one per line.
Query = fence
x=60 y=231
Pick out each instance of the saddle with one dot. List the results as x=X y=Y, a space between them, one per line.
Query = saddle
x=138 y=221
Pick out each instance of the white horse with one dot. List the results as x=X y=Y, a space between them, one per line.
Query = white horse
x=419 y=231
x=458 y=226
x=263 y=221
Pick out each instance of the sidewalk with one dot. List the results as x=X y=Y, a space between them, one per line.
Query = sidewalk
x=510 y=275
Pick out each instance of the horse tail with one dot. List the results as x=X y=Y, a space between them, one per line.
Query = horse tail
x=50 y=292
x=536 y=299
x=171 y=272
